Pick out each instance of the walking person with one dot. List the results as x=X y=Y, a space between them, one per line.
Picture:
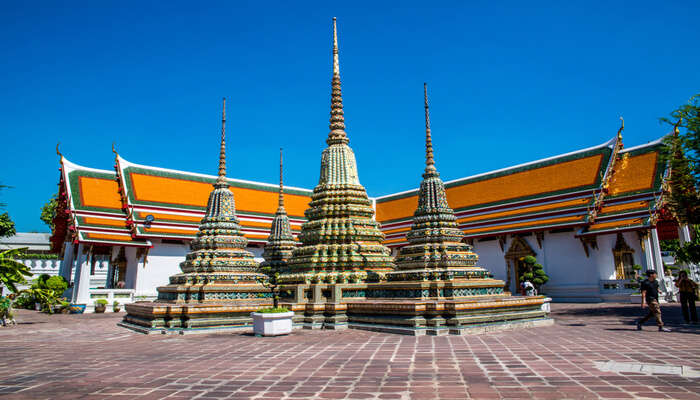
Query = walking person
x=650 y=295
x=686 y=288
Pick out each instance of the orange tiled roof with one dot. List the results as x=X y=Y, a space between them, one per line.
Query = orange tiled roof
x=523 y=183
x=177 y=200
x=633 y=190
x=545 y=193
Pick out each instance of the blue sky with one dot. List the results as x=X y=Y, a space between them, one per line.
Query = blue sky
x=509 y=82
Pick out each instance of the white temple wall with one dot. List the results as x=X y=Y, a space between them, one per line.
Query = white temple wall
x=572 y=275
x=257 y=252
x=162 y=262
x=491 y=257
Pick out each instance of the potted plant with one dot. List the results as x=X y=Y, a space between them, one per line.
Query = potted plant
x=77 y=308
x=534 y=272
x=100 y=306
x=116 y=307
x=45 y=292
x=275 y=320
x=65 y=306
x=6 y=314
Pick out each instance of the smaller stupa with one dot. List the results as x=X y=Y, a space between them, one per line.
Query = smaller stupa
x=280 y=243
x=435 y=250
x=218 y=267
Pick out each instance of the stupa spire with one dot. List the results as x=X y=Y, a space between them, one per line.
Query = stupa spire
x=337 y=120
x=429 y=160
x=281 y=196
x=340 y=237
x=222 y=151
x=280 y=243
x=435 y=240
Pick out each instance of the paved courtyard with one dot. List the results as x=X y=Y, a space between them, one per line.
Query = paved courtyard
x=590 y=352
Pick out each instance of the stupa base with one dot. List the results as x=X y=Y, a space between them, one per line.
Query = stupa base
x=159 y=317
x=421 y=316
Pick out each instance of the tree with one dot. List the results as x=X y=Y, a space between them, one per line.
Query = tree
x=48 y=211
x=682 y=153
x=271 y=282
x=12 y=272
x=7 y=227
x=534 y=272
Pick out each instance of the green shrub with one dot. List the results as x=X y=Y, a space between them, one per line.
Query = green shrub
x=534 y=272
x=25 y=300
x=30 y=256
x=100 y=302
x=56 y=283
x=529 y=260
x=272 y=310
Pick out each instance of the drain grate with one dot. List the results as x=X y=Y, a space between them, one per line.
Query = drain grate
x=640 y=368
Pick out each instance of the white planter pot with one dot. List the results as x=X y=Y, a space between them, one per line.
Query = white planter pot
x=272 y=324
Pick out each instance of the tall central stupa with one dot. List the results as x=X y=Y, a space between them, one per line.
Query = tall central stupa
x=340 y=240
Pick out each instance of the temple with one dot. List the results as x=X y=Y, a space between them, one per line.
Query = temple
x=351 y=260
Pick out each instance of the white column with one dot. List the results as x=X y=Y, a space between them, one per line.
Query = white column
x=661 y=275
x=67 y=263
x=141 y=289
x=132 y=268
x=81 y=287
x=648 y=253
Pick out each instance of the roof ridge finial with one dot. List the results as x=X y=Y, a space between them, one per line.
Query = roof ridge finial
x=337 y=122
x=222 y=150
x=676 y=131
x=281 y=196
x=622 y=128
x=429 y=160
x=58 y=152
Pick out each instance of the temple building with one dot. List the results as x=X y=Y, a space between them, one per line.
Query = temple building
x=588 y=216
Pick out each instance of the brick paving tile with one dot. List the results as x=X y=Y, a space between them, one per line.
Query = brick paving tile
x=89 y=357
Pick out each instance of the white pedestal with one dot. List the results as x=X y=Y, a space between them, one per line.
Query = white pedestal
x=272 y=324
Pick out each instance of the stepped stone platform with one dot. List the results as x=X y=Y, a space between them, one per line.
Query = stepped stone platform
x=419 y=316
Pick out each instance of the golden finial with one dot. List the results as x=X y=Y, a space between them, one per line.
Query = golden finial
x=336 y=64
x=429 y=161
x=222 y=150
x=114 y=149
x=58 y=152
x=676 y=131
x=622 y=128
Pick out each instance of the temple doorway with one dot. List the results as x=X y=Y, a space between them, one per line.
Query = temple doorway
x=515 y=266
